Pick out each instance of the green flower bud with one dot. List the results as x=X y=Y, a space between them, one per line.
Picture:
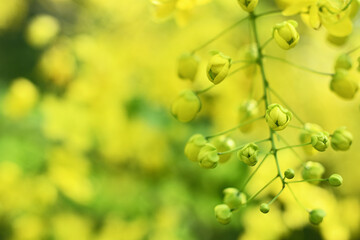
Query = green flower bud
x=223 y=144
x=277 y=117
x=218 y=68
x=247 y=110
x=313 y=170
x=285 y=34
x=223 y=213
x=316 y=216
x=320 y=141
x=310 y=129
x=249 y=154
x=335 y=180
x=343 y=84
x=343 y=62
x=208 y=156
x=289 y=173
x=341 y=139
x=233 y=198
x=248 y=5
x=264 y=208
x=187 y=66
x=186 y=106
x=193 y=146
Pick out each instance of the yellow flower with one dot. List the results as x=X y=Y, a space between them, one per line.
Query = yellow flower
x=21 y=98
x=42 y=29
x=186 y=106
x=333 y=15
x=285 y=34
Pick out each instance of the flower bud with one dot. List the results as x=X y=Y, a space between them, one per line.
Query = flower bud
x=249 y=154
x=41 y=30
x=343 y=62
x=187 y=66
x=310 y=129
x=277 y=117
x=320 y=141
x=343 y=84
x=313 y=170
x=285 y=34
x=223 y=144
x=335 y=180
x=247 y=110
x=341 y=139
x=264 y=208
x=316 y=216
x=223 y=213
x=233 y=198
x=289 y=173
x=248 y=5
x=186 y=106
x=193 y=146
x=358 y=64
x=218 y=68
x=208 y=156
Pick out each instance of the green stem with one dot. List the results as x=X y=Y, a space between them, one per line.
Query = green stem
x=273 y=200
x=240 y=61
x=238 y=69
x=266 y=43
x=263 y=188
x=234 y=128
x=253 y=173
x=296 y=199
x=298 y=66
x=240 y=147
x=353 y=50
x=297 y=127
x=218 y=35
x=286 y=105
x=293 y=146
x=268 y=13
x=309 y=180
x=296 y=154
x=198 y=92
x=265 y=85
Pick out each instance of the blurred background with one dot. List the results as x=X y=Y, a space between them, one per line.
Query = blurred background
x=89 y=150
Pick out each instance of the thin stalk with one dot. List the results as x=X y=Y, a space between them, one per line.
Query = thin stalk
x=353 y=50
x=218 y=35
x=293 y=146
x=265 y=85
x=286 y=105
x=234 y=128
x=238 y=69
x=268 y=13
x=253 y=173
x=273 y=200
x=296 y=154
x=266 y=43
x=309 y=180
x=198 y=92
x=240 y=147
x=263 y=188
x=298 y=66
x=296 y=199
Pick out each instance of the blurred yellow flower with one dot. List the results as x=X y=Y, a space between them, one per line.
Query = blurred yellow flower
x=42 y=30
x=20 y=99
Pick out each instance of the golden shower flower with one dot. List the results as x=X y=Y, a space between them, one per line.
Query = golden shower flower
x=286 y=35
x=186 y=106
x=277 y=117
x=218 y=68
x=343 y=84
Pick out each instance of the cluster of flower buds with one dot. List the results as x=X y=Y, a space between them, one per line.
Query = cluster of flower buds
x=233 y=200
x=344 y=82
x=209 y=151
